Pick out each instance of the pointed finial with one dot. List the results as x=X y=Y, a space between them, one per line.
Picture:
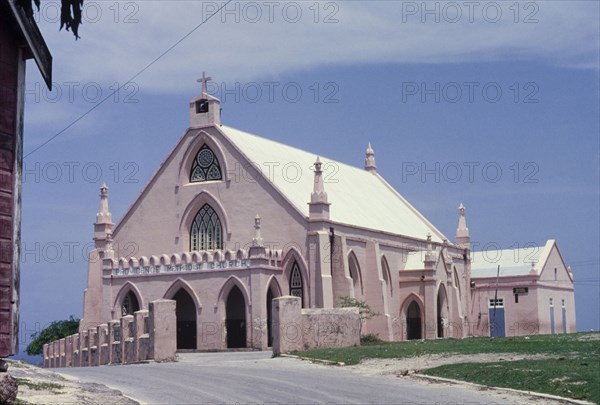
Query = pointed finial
x=257 y=240
x=317 y=165
x=370 y=165
x=429 y=257
x=103 y=216
x=318 y=195
x=463 y=239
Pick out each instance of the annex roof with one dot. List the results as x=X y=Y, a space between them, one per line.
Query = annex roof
x=512 y=262
x=358 y=197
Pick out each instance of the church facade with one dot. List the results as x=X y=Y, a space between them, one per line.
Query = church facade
x=231 y=220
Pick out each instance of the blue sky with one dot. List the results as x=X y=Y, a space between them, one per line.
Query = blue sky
x=497 y=111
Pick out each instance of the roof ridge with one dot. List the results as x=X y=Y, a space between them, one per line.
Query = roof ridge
x=285 y=145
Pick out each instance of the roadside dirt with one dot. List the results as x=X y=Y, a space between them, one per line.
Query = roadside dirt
x=412 y=365
x=40 y=386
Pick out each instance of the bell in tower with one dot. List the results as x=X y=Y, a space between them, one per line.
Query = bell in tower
x=205 y=110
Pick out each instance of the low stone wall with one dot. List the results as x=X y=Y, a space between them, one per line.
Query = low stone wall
x=297 y=329
x=145 y=335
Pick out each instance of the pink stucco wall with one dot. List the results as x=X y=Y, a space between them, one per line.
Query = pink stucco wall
x=531 y=315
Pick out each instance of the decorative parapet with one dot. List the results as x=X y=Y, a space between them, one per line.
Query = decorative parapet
x=188 y=262
x=131 y=339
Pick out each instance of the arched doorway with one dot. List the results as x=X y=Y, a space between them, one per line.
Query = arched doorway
x=185 y=312
x=269 y=318
x=130 y=304
x=413 y=321
x=235 y=322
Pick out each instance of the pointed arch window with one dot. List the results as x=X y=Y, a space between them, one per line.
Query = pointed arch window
x=296 y=284
x=206 y=166
x=206 y=232
x=387 y=277
x=130 y=304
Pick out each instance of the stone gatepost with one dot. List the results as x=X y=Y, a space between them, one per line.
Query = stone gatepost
x=127 y=343
x=62 y=352
x=114 y=342
x=45 y=352
x=84 y=348
x=54 y=352
x=140 y=322
x=287 y=325
x=163 y=330
x=93 y=346
x=69 y=351
x=50 y=354
x=103 y=346
x=76 y=350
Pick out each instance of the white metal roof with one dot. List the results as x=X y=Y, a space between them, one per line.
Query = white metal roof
x=414 y=261
x=357 y=196
x=513 y=262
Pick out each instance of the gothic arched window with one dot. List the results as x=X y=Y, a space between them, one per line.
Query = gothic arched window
x=296 y=285
x=130 y=304
x=206 y=166
x=206 y=232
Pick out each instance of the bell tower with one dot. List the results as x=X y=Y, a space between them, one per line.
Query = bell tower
x=205 y=110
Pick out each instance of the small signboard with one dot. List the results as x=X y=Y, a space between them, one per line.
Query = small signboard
x=520 y=290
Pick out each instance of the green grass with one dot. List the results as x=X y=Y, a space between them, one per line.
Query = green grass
x=573 y=378
x=573 y=371
x=39 y=386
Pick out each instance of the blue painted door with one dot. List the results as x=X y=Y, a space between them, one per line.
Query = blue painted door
x=552 y=320
x=564 y=319
x=497 y=328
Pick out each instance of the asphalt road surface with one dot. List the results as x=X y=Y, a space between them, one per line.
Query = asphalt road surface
x=254 y=377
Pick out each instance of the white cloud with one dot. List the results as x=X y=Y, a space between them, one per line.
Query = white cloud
x=565 y=34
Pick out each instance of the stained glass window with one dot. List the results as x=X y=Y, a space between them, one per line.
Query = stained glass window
x=296 y=286
x=206 y=232
x=205 y=166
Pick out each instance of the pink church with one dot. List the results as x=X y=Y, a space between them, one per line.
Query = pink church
x=231 y=220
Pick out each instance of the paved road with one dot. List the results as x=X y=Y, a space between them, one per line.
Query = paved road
x=254 y=377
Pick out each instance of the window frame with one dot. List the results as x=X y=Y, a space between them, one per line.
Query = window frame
x=203 y=239
x=196 y=165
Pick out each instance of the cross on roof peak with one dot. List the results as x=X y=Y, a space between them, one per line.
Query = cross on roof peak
x=204 y=80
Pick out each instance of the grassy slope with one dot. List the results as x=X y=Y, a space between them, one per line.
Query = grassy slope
x=573 y=372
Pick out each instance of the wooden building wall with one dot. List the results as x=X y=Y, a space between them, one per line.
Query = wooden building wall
x=11 y=68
